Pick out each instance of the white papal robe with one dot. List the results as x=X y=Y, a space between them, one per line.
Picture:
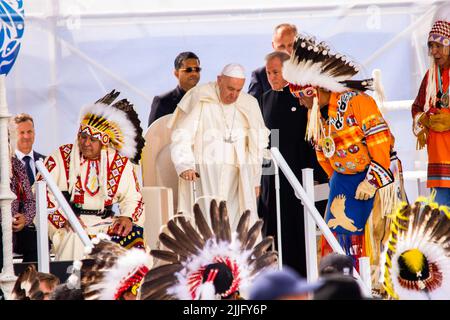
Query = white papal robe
x=230 y=171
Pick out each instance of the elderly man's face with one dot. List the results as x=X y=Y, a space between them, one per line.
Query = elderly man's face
x=229 y=88
x=274 y=74
x=89 y=146
x=25 y=136
x=437 y=51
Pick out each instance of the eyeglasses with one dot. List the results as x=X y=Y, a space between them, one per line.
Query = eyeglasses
x=191 y=69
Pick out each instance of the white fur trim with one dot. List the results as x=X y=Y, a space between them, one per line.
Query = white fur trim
x=206 y=256
x=87 y=250
x=77 y=264
x=206 y=291
x=103 y=236
x=419 y=239
x=73 y=281
x=307 y=73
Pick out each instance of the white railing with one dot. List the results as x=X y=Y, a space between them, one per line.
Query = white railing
x=313 y=218
x=72 y=218
x=42 y=227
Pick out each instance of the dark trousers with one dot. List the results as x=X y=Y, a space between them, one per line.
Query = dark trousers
x=24 y=243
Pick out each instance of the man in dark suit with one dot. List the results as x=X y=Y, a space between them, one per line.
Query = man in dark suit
x=187 y=71
x=287 y=120
x=24 y=148
x=25 y=235
x=282 y=40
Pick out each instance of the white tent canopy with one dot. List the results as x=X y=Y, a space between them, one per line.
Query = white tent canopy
x=73 y=52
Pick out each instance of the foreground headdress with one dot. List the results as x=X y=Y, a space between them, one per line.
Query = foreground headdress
x=108 y=270
x=209 y=264
x=116 y=125
x=27 y=286
x=313 y=64
x=417 y=258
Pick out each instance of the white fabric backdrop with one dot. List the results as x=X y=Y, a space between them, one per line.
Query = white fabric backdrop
x=75 y=51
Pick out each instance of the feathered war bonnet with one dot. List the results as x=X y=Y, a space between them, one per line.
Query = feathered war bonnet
x=116 y=125
x=211 y=263
x=108 y=270
x=313 y=65
x=416 y=261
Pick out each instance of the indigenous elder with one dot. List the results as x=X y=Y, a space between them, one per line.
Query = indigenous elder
x=353 y=141
x=217 y=142
x=431 y=111
x=287 y=120
x=96 y=172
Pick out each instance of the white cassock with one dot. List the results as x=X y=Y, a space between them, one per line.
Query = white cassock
x=224 y=144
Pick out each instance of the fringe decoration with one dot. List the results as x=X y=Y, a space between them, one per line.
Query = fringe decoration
x=430 y=100
x=103 y=175
x=354 y=246
x=74 y=169
x=313 y=129
x=379 y=89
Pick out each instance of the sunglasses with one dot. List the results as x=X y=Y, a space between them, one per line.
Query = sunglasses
x=191 y=69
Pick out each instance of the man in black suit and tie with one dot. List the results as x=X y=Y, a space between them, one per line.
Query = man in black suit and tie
x=187 y=71
x=24 y=148
x=282 y=40
x=287 y=120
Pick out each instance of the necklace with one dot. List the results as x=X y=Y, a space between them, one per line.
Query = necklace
x=327 y=142
x=227 y=139
x=443 y=97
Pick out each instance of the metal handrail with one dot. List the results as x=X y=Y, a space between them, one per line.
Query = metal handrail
x=301 y=194
x=74 y=222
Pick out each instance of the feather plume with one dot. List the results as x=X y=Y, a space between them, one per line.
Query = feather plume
x=201 y=223
x=27 y=286
x=417 y=258
x=181 y=238
x=224 y=222
x=216 y=248
x=193 y=235
x=242 y=228
x=215 y=219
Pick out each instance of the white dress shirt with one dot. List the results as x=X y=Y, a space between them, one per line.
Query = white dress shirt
x=20 y=155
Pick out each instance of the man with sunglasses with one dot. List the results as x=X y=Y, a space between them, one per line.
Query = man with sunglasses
x=187 y=71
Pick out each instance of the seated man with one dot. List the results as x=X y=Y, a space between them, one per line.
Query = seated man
x=95 y=173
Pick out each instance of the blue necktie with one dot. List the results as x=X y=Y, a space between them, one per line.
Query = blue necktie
x=30 y=174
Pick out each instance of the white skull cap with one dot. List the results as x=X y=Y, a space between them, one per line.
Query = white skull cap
x=234 y=70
